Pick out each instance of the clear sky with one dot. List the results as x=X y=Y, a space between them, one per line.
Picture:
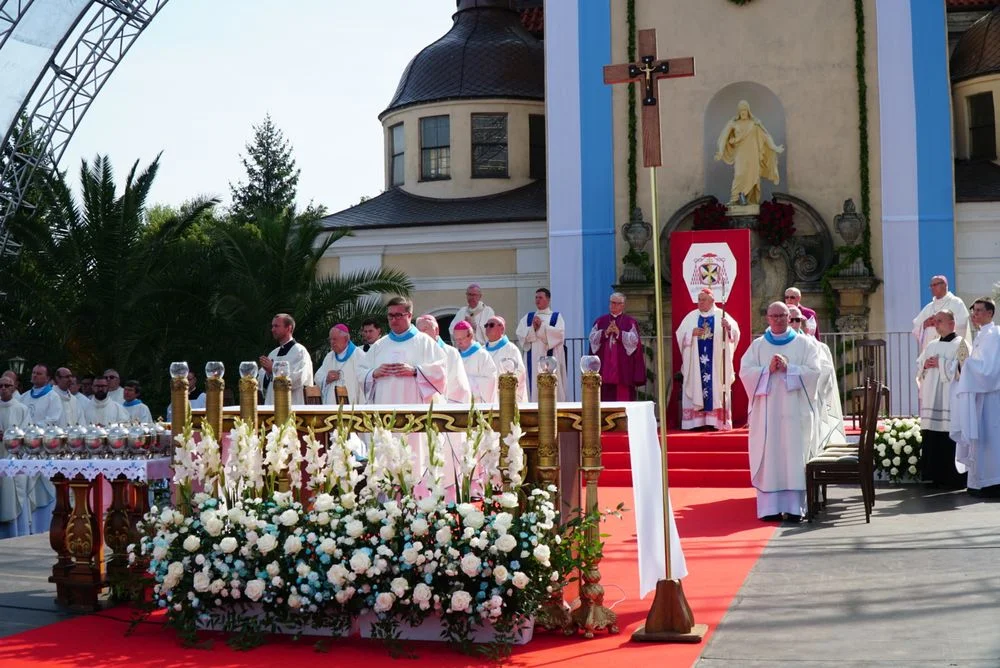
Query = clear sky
x=205 y=71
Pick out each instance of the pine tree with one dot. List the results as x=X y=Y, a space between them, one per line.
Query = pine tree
x=272 y=176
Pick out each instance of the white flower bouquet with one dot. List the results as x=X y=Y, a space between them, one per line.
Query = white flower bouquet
x=898 y=449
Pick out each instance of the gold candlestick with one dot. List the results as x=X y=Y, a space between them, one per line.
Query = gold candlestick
x=248 y=393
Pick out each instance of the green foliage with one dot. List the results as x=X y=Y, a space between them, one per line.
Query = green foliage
x=272 y=176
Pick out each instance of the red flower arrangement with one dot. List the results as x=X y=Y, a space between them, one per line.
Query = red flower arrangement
x=776 y=224
x=711 y=216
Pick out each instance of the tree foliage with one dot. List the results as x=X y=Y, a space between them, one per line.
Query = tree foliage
x=272 y=177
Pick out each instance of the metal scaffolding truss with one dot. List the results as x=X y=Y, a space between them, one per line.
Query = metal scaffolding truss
x=64 y=91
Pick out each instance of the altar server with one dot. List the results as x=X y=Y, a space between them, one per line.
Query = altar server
x=405 y=366
x=830 y=408
x=780 y=372
x=136 y=409
x=615 y=339
x=337 y=376
x=43 y=404
x=542 y=333
x=938 y=369
x=476 y=313
x=300 y=370
x=102 y=410
x=14 y=515
x=479 y=365
x=924 y=328
x=457 y=390
x=506 y=355
x=72 y=410
x=707 y=338
x=975 y=410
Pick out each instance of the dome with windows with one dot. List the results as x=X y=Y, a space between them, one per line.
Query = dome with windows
x=486 y=54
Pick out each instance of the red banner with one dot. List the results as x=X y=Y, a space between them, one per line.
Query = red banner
x=719 y=260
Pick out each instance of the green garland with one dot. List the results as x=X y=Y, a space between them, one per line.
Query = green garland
x=632 y=179
x=862 y=250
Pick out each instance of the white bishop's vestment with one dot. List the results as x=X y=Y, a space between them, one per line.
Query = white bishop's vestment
x=104 y=412
x=138 y=412
x=782 y=419
x=480 y=315
x=300 y=371
x=44 y=406
x=482 y=373
x=830 y=422
x=414 y=348
x=457 y=389
x=975 y=411
x=704 y=362
x=502 y=349
x=935 y=382
x=347 y=363
x=14 y=504
x=925 y=335
x=547 y=340
x=72 y=409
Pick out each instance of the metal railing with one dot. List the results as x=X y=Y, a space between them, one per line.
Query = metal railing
x=895 y=360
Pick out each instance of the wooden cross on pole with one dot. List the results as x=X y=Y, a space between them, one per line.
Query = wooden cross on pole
x=670 y=618
x=648 y=71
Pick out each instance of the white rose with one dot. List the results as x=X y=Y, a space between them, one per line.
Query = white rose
x=541 y=553
x=384 y=601
x=897 y=447
x=470 y=565
x=323 y=519
x=386 y=532
x=886 y=463
x=273 y=568
x=443 y=535
x=399 y=587
x=292 y=545
x=465 y=508
x=167 y=516
x=422 y=593
x=460 y=600
x=237 y=515
x=323 y=503
x=913 y=470
x=294 y=601
x=912 y=460
x=303 y=569
x=159 y=552
x=908 y=449
x=337 y=575
x=216 y=586
x=192 y=543
x=506 y=543
x=202 y=581
x=896 y=461
x=419 y=527
x=228 y=545
x=255 y=589
x=289 y=518
x=427 y=504
x=360 y=561
x=893 y=471
x=502 y=522
x=475 y=519
x=348 y=500
x=214 y=526
x=520 y=580
x=500 y=574
x=355 y=528
x=266 y=543
x=327 y=546
x=508 y=500
x=410 y=555
x=374 y=515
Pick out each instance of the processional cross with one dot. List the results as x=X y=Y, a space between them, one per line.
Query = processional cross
x=670 y=618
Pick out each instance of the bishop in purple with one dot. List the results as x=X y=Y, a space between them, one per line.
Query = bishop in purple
x=615 y=339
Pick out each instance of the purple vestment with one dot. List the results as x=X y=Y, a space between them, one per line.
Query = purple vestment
x=621 y=372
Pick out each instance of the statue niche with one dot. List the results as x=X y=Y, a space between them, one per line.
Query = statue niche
x=746 y=144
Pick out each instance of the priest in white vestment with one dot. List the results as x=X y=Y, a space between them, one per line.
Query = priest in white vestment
x=115 y=390
x=337 y=377
x=72 y=410
x=14 y=504
x=102 y=409
x=195 y=399
x=14 y=379
x=780 y=372
x=938 y=368
x=133 y=405
x=506 y=355
x=830 y=407
x=42 y=402
x=457 y=390
x=479 y=365
x=923 y=325
x=476 y=313
x=707 y=338
x=975 y=408
x=541 y=333
x=300 y=366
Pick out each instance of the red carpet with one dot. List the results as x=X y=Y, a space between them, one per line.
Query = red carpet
x=695 y=458
x=722 y=540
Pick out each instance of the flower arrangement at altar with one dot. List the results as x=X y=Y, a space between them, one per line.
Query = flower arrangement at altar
x=898 y=449
x=364 y=537
x=711 y=216
x=776 y=222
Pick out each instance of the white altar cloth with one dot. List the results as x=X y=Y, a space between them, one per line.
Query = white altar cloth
x=132 y=469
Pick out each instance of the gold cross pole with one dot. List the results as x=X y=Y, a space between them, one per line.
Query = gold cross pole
x=670 y=618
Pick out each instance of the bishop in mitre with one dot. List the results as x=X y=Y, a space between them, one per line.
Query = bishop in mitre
x=14 y=505
x=830 y=408
x=938 y=371
x=337 y=376
x=924 y=328
x=479 y=365
x=707 y=338
x=506 y=355
x=457 y=389
x=780 y=371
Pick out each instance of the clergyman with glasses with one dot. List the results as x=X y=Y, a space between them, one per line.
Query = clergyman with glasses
x=615 y=339
x=924 y=329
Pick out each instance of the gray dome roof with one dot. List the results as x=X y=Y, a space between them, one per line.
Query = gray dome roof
x=486 y=54
x=978 y=49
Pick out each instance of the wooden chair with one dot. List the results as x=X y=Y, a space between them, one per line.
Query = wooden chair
x=869 y=364
x=846 y=466
x=312 y=395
